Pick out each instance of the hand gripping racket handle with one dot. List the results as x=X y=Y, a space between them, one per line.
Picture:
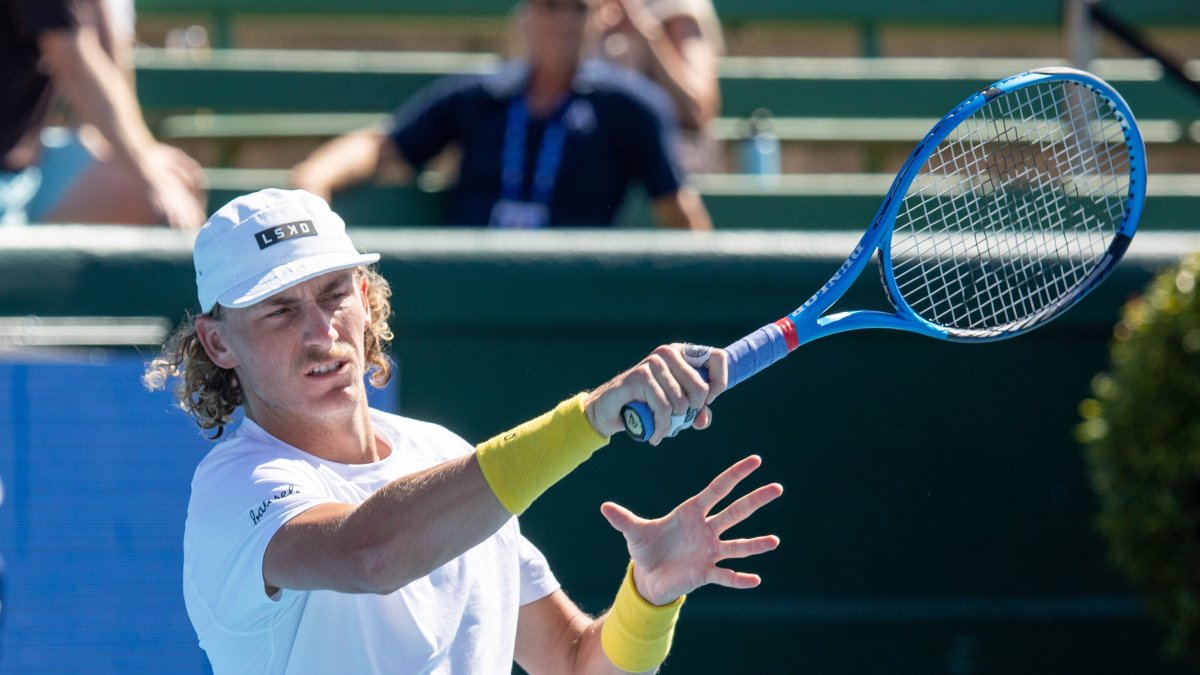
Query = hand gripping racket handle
x=746 y=357
x=639 y=419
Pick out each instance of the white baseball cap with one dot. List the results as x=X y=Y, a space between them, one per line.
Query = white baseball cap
x=262 y=243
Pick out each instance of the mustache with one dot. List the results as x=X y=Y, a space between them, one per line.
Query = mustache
x=340 y=351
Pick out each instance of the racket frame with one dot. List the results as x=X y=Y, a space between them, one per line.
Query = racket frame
x=809 y=322
x=877 y=236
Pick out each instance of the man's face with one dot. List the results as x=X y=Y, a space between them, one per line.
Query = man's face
x=299 y=352
x=557 y=29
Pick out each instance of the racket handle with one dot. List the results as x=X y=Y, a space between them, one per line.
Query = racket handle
x=745 y=357
x=639 y=419
x=755 y=352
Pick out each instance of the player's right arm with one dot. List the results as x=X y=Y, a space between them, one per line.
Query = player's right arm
x=407 y=529
x=418 y=522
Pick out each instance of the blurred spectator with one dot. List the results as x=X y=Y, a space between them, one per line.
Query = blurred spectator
x=112 y=170
x=676 y=43
x=122 y=18
x=551 y=139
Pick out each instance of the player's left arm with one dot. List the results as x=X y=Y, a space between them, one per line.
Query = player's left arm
x=555 y=636
x=671 y=556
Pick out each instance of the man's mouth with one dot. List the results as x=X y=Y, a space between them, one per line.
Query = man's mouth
x=325 y=368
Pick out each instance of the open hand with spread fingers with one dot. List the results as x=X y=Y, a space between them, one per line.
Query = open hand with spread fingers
x=678 y=553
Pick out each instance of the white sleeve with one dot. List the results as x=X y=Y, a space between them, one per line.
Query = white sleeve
x=235 y=511
x=537 y=581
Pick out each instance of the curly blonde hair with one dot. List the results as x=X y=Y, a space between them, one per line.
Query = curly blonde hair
x=210 y=393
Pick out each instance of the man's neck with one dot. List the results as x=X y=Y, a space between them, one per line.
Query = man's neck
x=346 y=440
x=547 y=87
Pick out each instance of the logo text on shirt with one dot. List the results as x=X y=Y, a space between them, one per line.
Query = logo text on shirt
x=256 y=514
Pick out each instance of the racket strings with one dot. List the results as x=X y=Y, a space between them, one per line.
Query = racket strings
x=1012 y=210
x=1019 y=162
x=1021 y=273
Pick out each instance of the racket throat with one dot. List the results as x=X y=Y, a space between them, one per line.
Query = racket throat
x=787 y=328
x=869 y=318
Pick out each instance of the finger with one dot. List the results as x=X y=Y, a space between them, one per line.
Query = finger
x=182 y=166
x=620 y=518
x=665 y=366
x=718 y=373
x=693 y=385
x=197 y=221
x=604 y=405
x=192 y=182
x=728 y=578
x=661 y=406
x=662 y=393
x=745 y=506
x=744 y=548
x=192 y=214
x=703 y=418
x=183 y=216
x=636 y=384
x=696 y=355
x=723 y=485
x=193 y=167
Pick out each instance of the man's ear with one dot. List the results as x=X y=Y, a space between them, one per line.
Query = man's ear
x=364 y=294
x=211 y=334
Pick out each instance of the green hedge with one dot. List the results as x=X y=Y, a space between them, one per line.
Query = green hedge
x=1143 y=435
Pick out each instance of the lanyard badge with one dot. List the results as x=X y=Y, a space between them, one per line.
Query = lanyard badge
x=516 y=209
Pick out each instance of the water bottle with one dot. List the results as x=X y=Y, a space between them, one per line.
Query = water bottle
x=760 y=145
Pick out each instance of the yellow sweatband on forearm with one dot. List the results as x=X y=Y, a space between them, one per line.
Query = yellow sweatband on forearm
x=522 y=463
x=636 y=635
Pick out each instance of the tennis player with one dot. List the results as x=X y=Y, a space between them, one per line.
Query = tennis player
x=323 y=536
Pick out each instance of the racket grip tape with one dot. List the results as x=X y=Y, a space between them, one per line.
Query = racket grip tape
x=760 y=349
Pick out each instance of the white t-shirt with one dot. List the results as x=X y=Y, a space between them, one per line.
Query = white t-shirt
x=461 y=618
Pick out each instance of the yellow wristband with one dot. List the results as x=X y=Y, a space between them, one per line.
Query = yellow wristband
x=522 y=463
x=636 y=635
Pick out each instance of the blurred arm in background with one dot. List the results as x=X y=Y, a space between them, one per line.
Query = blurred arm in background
x=134 y=179
x=677 y=44
x=348 y=160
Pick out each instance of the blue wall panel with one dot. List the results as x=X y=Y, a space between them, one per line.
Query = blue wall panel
x=97 y=474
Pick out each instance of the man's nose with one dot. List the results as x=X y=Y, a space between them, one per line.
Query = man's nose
x=318 y=326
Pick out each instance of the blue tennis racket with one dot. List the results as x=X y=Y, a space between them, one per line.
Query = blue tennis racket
x=1015 y=205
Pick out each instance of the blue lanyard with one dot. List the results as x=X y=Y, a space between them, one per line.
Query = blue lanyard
x=545 y=172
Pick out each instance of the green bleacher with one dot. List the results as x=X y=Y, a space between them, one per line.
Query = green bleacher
x=246 y=111
x=795 y=202
x=235 y=98
x=866 y=16
x=275 y=81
